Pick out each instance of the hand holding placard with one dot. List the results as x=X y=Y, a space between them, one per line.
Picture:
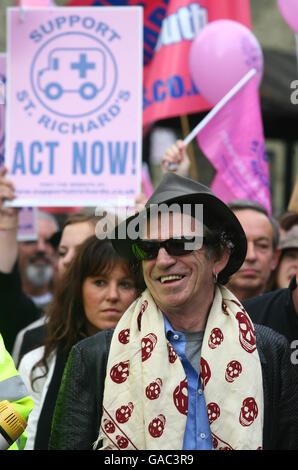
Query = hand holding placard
x=8 y=215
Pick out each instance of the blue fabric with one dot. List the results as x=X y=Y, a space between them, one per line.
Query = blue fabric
x=197 y=434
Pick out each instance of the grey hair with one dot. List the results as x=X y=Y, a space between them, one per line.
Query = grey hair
x=216 y=241
x=40 y=214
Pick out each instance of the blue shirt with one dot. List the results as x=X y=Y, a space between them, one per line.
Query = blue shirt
x=197 y=434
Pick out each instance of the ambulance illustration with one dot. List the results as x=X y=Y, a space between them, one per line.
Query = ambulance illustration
x=73 y=70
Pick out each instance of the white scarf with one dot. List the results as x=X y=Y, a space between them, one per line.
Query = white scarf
x=145 y=400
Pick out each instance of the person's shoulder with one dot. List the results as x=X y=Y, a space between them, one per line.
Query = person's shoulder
x=268 y=334
x=270 y=341
x=266 y=298
x=94 y=343
x=268 y=308
x=29 y=338
x=30 y=358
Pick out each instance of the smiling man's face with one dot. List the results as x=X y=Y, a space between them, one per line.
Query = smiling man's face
x=178 y=283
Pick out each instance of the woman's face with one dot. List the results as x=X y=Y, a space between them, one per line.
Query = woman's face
x=287 y=268
x=106 y=297
x=73 y=235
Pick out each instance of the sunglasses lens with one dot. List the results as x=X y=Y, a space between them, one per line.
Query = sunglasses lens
x=145 y=250
x=178 y=247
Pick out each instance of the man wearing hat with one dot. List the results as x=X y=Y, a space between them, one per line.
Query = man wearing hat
x=185 y=368
x=288 y=260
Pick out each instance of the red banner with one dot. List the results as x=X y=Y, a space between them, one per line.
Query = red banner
x=169 y=29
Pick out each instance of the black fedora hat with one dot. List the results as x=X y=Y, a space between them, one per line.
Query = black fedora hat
x=216 y=214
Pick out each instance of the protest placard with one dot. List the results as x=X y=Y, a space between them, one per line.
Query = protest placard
x=74 y=113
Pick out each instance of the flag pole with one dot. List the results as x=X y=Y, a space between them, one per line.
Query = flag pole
x=218 y=106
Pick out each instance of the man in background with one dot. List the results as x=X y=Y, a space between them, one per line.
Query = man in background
x=37 y=261
x=261 y=259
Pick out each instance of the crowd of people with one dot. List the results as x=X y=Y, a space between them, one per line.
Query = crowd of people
x=181 y=338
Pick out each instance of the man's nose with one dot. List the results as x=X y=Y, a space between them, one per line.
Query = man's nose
x=164 y=259
x=251 y=252
x=41 y=245
x=44 y=247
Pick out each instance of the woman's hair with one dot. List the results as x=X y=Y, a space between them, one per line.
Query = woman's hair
x=83 y=215
x=93 y=216
x=65 y=316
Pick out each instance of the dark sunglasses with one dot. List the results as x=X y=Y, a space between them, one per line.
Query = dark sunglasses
x=148 y=249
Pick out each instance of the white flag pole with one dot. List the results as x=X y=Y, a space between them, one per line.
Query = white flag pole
x=218 y=106
x=296 y=40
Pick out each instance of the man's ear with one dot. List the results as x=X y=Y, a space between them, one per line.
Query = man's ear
x=221 y=262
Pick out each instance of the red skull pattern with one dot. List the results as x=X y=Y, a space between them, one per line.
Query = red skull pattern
x=143 y=308
x=123 y=336
x=233 y=370
x=124 y=413
x=248 y=412
x=157 y=425
x=247 y=336
x=213 y=412
x=122 y=442
x=153 y=389
x=108 y=426
x=120 y=372
x=180 y=397
x=205 y=372
x=216 y=338
x=148 y=344
x=112 y=430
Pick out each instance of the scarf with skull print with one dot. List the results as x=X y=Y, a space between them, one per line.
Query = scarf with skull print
x=145 y=400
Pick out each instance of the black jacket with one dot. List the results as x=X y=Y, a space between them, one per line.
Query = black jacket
x=276 y=310
x=77 y=414
x=17 y=310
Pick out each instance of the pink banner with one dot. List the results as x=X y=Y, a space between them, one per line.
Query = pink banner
x=74 y=115
x=233 y=141
x=169 y=29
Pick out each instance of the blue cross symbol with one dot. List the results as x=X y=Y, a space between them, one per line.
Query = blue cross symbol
x=83 y=65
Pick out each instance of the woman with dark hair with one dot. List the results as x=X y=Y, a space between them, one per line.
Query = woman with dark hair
x=93 y=293
x=77 y=228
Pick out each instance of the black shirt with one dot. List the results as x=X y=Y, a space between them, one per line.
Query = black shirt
x=17 y=310
x=276 y=310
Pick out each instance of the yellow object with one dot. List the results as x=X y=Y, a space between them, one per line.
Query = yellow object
x=11 y=421
x=13 y=390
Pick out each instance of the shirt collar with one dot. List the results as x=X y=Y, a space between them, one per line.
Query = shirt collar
x=168 y=326
x=169 y=330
